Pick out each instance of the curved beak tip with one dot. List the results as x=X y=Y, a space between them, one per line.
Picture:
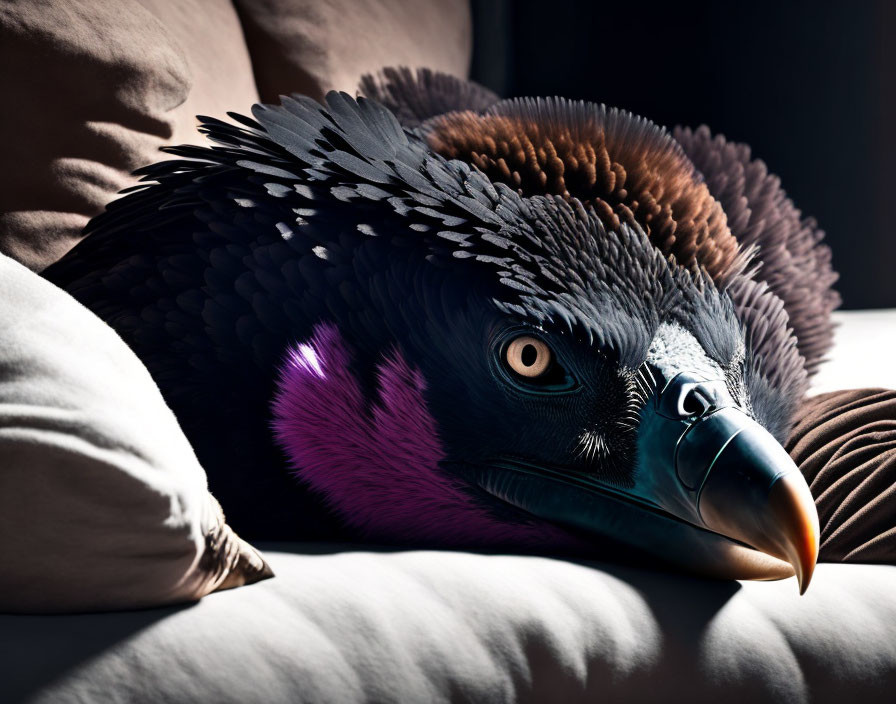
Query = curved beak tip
x=792 y=509
x=782 y=523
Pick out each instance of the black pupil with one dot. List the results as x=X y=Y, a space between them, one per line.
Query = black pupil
x=529 y=355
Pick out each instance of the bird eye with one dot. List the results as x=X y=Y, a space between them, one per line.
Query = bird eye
x=528 y=356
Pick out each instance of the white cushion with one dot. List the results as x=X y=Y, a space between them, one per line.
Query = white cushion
x=103 y=504
x=864 y=352
x=426 y=626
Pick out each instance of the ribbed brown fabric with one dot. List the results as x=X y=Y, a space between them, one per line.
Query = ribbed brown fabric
x=845 y=444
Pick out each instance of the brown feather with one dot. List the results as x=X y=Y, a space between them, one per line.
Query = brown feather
x=626 y=168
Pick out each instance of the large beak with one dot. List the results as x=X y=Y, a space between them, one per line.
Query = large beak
x=712 y=491
x=709 y=463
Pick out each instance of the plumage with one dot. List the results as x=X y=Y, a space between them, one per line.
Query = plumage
x=400 y=257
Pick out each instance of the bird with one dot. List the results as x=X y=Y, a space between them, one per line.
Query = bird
x=428 y=316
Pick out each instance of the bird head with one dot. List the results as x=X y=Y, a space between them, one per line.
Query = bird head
x=553 y=350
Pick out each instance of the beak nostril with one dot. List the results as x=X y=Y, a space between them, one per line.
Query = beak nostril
x=694 y=402
x=687 y=396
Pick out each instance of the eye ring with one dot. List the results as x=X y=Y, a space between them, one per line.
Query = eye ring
x=528 y=356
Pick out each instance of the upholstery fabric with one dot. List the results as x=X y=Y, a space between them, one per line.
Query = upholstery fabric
x=310 y=47
x=92 y=90
x=103 y=504
x=362 y=626
x=845 y=444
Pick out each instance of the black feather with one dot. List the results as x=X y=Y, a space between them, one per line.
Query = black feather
x=222 y=257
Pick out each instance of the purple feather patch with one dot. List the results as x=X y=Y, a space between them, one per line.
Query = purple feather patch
x=377 y=460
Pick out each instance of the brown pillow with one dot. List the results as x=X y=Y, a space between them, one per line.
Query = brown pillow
x=91 y=90
x=845 y=444
x=103 y=504
x=310 y=47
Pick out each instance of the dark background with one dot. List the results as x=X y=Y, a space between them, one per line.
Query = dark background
x=811 y=86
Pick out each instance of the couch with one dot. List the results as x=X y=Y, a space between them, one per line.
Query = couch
x=98 y=92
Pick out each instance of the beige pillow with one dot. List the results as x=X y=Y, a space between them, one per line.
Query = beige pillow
x=310 y=47
x=103 y=504
x=92 y=89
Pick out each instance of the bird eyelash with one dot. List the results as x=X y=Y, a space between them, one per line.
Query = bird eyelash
x=591 y=448
x=641 y=385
